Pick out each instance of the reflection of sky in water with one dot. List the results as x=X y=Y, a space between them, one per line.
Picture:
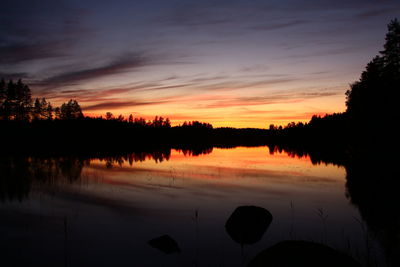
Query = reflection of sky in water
x=113 y=212
x=241 y=175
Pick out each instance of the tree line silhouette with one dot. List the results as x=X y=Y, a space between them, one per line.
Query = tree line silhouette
x=16 y=104
x=36 y=127
x=371 y=115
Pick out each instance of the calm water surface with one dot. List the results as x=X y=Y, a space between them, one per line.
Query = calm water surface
x=104 y=212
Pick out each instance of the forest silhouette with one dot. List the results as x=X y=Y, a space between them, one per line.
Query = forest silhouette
x=372 y=112
x=36 y=126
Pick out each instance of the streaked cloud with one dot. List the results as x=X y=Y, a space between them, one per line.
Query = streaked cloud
x=276 y=26
x=374 y=12
x=123 y=64
x=38 y=31
x=230 y=62
x=13 y=76
x=21 y=52
x=118 y=105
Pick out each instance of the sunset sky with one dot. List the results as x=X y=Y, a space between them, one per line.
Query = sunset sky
x=232 y=63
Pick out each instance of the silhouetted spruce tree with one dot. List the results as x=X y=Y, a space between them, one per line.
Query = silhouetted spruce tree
x=42 y=110
x=10 y=106
x=2 y=97
x=15 y=101
x=57 y=113
x=120 y=118
x=391 y=53
x=374 y=98
x=49 y=111
x=167 y=123
x=71 y=111
x=109 y=116
x=24 y=101
x=140 y=121
x=37 y=110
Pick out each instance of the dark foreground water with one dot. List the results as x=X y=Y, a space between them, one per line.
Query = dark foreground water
x=70 y=211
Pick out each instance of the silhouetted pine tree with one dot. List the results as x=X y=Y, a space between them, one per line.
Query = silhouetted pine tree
x=15 y=101
x=2 y=97
x=37 y=110
x=71 y=111
x=49 y=111
x=374 y=98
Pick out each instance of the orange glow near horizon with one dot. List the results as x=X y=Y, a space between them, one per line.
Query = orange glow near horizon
x=239 y=115
x=240 y=103
x=243 y=71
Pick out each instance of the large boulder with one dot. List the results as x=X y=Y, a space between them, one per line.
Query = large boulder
x=247 y=224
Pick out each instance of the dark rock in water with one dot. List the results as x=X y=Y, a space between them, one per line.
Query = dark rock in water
x=247 y=224
x=302 y=253
x=165 y=243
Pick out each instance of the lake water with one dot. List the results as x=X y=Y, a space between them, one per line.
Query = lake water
x=103 y=212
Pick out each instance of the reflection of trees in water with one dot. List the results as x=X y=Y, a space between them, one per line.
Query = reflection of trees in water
x=120 y=159
x=19 y=174
x=373 y=186
x=273 y=149
x=316 y=155
x=372 y=183
x=196 y=151
x=158 y=156
x=15 y=178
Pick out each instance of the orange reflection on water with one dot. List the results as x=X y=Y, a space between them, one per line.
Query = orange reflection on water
x=238 y=167
x=217 y=182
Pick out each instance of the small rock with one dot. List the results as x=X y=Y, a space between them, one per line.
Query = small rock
x=165 y=243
